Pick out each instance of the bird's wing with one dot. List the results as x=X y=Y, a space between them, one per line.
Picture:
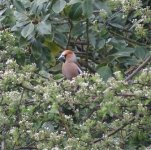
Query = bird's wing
x=79 y=70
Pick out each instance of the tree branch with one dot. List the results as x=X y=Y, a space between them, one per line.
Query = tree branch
x=132 y=42
x=69 y=37
x=87 y=36
x=138 y=69
x=115 y=131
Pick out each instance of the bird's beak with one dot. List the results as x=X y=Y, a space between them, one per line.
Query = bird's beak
x=62 y=58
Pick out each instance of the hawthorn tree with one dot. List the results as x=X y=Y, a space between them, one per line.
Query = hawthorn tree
x=108 y=107
x=107 y=35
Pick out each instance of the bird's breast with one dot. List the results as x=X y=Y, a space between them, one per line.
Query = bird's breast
x=70 y=70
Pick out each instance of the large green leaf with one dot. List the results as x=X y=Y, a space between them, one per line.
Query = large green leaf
x=38 y=5
x=117 y=25
x=124 y=52
x=58 y=6
x=103 y=5
x=27 y=30
x=141 y=53
x=105 y=72
x=21 y=24
x=26 y=3
x=44 y=28
x=20 y=16
x=75 y=11
x=77 y=29
x=87 y=8
x=100 y=44
x=18 y=5
x=118 y=44
x=60 y=39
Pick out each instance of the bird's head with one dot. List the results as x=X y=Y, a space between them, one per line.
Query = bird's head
x=67 y=56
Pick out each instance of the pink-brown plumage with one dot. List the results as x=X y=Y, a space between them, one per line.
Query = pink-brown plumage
x=69 y=68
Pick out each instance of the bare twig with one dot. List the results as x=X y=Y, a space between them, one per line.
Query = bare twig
x=115 y=131
x=82 y=42
x=3 y=142
x=27 y=147
x=132 y=42
x=138 y=69
x=87 y=35
x=69 y=36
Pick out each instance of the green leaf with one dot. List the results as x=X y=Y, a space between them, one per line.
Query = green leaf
x=126 y=52
x=117 y=25
x=141 y=53
x=73 y=2
x=18 y=5
x=100 y=44
x=105 y=72
x=87 y=8
x=93 y=40
x=21 y=24
x=37 y=6
x=41 y=1
x=27 y=30
x=26 y=3
x=2 y=18
x=75 y=11
x=44 y=28
x=60 y=39
x=78 y=29
x=58 y=6
x=118 y=44
x=20 y=16
x=2 y=11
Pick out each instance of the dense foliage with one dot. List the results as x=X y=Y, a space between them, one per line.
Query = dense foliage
x=39 y=110
x=109 y=35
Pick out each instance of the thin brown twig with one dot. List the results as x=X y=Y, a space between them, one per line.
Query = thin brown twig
x=70 y=30
x=115 y=131
x=139 y=68
x=82 y=42
x=132 y=42
x=87 y=36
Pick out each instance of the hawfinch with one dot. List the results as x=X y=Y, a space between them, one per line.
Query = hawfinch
x=70 y=68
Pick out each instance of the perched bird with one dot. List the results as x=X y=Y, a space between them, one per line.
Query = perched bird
x=70 y=68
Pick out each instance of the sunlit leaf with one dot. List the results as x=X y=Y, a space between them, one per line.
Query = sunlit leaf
x=2 y=11
x=87 y=8
x=58 y=6
x=27 y=30
x=20 y=16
